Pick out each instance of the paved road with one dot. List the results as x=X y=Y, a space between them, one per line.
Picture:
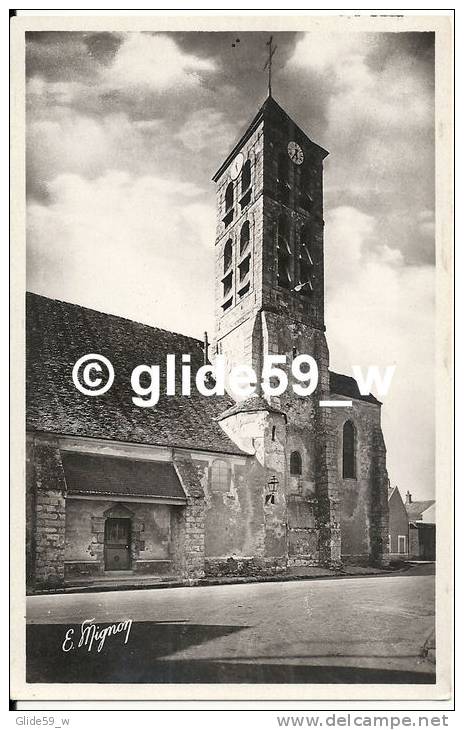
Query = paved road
x=342 y=630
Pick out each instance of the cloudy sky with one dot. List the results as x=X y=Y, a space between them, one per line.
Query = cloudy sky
x=125 y=131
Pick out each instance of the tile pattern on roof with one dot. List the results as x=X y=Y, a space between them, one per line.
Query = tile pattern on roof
x=109 y=475
x=58 y=333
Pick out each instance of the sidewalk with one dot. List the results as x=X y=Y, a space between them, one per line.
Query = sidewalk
x=132 y=582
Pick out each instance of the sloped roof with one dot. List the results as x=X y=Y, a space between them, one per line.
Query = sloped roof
x=253 y=404
x=416 y=509
x=345 y=385
x=109 y=475
x=270 y=108
x=59 y=333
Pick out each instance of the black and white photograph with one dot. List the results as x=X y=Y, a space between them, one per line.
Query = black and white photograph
x=237 y=259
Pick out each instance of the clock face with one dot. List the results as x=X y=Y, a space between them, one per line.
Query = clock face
x=295 y=153
x=236 y=166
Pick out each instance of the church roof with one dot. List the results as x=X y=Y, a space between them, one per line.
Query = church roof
x=59 y=333
x=269 y=108
x=345 y=385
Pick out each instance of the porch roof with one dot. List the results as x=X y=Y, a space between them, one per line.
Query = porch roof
x=91 y=474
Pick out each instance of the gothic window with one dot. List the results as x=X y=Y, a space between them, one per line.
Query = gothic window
x=349 y=452
x=284 y=253
x=244 y=236
x=220 y=476
x=295 y=463
x=246 y=176
x=229 y=201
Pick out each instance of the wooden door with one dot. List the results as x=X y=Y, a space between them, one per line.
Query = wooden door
x=117 y=543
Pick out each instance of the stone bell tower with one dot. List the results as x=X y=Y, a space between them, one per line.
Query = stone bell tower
x=269 y=299
x=269 y=235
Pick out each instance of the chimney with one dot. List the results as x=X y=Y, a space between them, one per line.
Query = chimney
x=408 y=497
x=205 y=349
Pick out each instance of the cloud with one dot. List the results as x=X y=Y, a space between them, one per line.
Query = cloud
x=154 y=62
x=379 y=129
x=122 y=243
x=203 y=126
x=379 y=312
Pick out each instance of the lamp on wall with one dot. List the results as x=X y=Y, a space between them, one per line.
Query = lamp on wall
x=272 y=484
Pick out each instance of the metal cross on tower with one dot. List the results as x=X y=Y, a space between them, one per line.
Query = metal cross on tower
x=268 y=64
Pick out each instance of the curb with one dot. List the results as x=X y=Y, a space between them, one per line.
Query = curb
x=203 y=582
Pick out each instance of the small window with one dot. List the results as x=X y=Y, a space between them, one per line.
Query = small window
x=229 y=202
x=402 y=544
x=349 y=456
x=295 y=463
x=246 y=176
x=244 y=236
x=227 y=255
x=220 y=476
x=389 y=545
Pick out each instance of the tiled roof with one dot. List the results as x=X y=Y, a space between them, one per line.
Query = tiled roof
x=416 y=509
x=58 y=333
x=345 y=385
x=109 y=475
x=251 y=405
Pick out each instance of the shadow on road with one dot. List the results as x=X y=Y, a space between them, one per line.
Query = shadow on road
x=140 y=660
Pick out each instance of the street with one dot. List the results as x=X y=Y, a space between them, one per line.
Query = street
x=350 y=630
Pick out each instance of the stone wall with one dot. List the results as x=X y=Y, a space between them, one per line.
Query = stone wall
x=188 y=524
x=363 y=500
x=46 y=531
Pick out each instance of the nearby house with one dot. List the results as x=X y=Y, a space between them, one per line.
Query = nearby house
x=398 y=533
x=422 y=528
x=197 y=485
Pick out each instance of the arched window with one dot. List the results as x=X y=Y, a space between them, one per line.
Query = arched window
x=349 y=451
x=244 y=236
x=246 y=176
x=227 y=255
x=229 y=196
x=220 y=476
x=284 y=253
x=295 y=463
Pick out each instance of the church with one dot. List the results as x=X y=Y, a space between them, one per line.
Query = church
x=194 y=486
